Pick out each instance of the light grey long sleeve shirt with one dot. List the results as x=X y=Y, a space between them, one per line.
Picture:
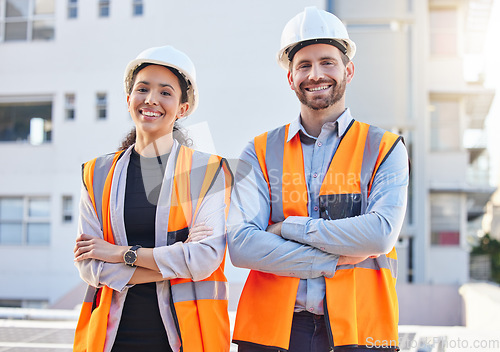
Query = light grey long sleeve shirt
x=310 y=246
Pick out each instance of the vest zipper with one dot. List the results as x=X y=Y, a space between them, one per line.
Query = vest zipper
x=174 y=315
x=328 y=326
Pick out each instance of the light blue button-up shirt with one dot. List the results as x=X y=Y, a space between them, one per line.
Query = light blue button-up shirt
x=310 y=246
x=317 y=153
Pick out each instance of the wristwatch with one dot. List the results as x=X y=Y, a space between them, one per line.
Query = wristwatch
x=130 y=256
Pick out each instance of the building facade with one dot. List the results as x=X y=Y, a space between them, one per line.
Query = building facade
x=62 y=103
x=418 y=74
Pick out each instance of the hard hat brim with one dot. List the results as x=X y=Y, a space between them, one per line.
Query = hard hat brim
x=285 y=55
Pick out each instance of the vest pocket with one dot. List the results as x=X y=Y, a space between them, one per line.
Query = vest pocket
x=339 y=206
x=177 y=236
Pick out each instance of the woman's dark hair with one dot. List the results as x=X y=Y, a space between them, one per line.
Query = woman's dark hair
x=178 y=132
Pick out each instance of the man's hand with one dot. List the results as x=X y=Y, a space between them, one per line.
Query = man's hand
x=347 y=260
x=199 y=232
x=275 y=228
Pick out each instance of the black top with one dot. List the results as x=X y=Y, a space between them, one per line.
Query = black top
x=141 y=327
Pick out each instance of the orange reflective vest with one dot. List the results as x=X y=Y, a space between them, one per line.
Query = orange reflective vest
x=200 y=308
x=361 y=306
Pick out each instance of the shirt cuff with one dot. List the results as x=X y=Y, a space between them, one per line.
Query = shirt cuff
x=117 y=275
x=295 y=228
x=325 y=265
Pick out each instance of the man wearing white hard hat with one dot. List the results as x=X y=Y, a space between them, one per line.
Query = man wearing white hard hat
x=316 y=211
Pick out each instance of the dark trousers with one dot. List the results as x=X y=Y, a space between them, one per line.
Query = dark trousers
x=308 y=335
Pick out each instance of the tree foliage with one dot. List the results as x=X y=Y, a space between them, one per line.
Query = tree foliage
x=491 y=247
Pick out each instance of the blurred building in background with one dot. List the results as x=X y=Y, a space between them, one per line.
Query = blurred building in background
x=62 y=103
x=419 y=73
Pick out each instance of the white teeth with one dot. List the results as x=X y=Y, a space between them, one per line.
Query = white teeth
x=317 y=89
x=148 y=113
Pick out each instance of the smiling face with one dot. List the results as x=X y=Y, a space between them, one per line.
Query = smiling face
x=154 y=103
x=319 y=77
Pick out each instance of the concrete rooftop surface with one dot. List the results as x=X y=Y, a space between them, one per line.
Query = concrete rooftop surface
x=30 y=330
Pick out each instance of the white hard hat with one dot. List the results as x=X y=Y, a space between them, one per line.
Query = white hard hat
x=170 y=57
x=313 y=26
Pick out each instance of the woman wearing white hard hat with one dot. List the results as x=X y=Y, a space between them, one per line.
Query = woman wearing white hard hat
x=151 y=237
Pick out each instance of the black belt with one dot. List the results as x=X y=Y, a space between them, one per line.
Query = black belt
x=305 y=313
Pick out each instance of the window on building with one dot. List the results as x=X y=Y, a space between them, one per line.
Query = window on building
x=26 y=121
x=102 y=105
x=445 y=125
x=24 y=221
x=443 y=23
x=445 y=218
x=70 y=107
x=11 y=303
x=72 y=8
x=67 y=208
x=137 y=7
x=104 y=8
x=26 y=20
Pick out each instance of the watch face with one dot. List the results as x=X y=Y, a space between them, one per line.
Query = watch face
x=130 y=257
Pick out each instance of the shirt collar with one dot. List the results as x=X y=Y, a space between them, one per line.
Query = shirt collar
x=342 y=122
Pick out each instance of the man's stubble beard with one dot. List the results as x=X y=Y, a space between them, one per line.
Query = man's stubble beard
x=336 y=94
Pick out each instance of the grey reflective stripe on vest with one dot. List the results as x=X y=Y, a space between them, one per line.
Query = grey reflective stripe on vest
x=274 y=163
x=381 y=262
x=89 y=294
x=197 y=176
x=199 y=166
x=370 y=156
x=101 y=170
x=198 y=290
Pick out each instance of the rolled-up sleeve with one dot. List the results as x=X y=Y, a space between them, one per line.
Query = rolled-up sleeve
x=93 y=271
x=250 y=246
x=198 y=260
x=372 y=233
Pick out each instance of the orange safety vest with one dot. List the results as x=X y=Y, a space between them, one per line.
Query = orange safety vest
x=361 y=307
x=200 y=308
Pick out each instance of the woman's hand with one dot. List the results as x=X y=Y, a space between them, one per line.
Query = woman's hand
x=89 y=247
x=199 y=232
